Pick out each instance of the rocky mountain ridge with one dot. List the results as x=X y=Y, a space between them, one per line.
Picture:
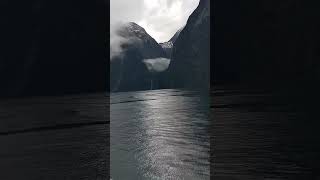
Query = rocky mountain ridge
x=129 y=72
x=168 y=46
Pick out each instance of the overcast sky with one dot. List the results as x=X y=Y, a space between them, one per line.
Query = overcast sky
x=160 y=18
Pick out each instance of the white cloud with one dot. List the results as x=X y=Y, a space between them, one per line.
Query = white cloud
x=157 y=64
x=160 y=18
x=116 y=41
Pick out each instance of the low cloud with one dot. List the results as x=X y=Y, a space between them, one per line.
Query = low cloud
x=115 y=44
x=157 y=64
x=117 y=41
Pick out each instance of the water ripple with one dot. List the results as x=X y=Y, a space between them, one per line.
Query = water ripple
x=160 y=134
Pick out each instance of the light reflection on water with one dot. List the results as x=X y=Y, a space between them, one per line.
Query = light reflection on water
x=160 y=134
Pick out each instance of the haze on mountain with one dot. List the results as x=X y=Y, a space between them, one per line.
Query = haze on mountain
x=128 y=69
x=138 y=62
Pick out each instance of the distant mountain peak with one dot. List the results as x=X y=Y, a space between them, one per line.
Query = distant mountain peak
x=134 y=27
x=135 y=32
x=167 y=46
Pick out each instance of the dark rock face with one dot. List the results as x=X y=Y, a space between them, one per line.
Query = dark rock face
x=168 y=46
x=190 y=65
x=175 y=36
x=266 y=42
x=128 y=72
x=52 y=47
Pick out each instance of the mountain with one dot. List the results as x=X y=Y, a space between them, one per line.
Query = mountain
x=48 y=53
x=176 y=35
x=190 y=61
x=168 y=46
x=128 y=72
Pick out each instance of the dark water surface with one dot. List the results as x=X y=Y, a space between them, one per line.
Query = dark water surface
x=160 y=134
x=54 y=137
x=260 y=135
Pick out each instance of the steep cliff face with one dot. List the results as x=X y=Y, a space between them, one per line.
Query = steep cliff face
x=190 y=64
x=168 y=46
x=52 y=47
x=128 y=72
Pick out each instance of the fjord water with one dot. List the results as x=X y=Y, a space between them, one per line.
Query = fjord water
x=159 y=134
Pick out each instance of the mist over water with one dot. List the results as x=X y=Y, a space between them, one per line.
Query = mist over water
x=157 y=64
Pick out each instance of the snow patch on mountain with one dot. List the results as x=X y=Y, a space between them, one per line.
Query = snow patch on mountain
x=166 y=45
